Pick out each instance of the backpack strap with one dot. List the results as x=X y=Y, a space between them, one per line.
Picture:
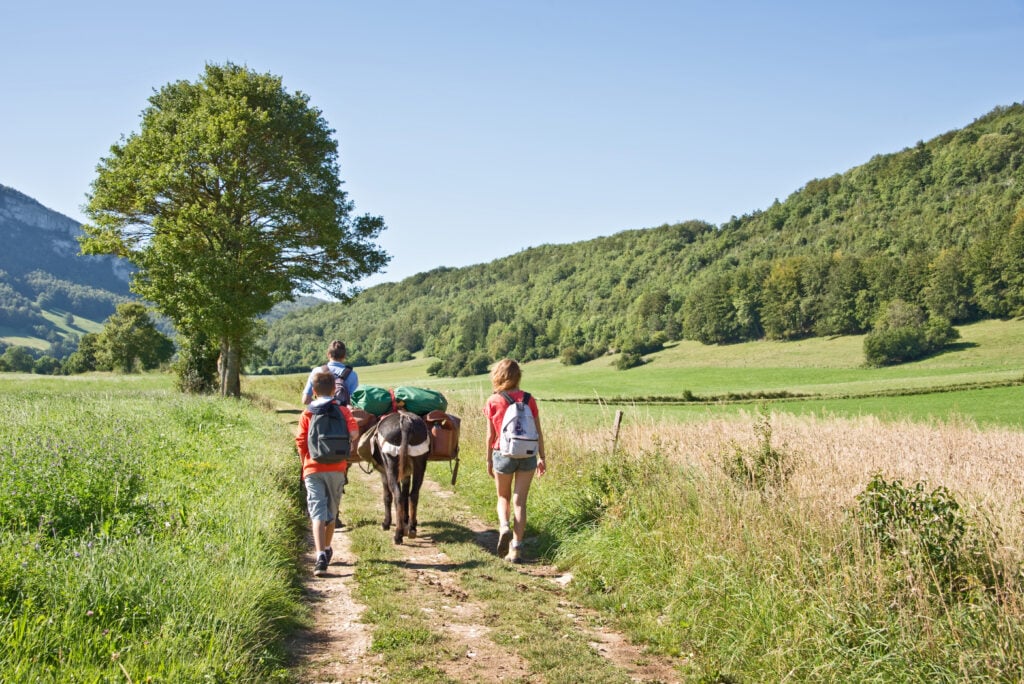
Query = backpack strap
x=345 y=372
x=507 y=397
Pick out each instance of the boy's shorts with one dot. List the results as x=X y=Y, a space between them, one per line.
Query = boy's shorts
x=506 y=465
x=323 y=494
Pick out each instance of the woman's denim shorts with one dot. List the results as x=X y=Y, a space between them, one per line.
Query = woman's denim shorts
x=506 y=465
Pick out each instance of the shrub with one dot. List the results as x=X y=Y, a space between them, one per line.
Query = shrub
x=931 y=527
x=903 y=334
x=764 y=467
x=628 y=360
x=196 y=368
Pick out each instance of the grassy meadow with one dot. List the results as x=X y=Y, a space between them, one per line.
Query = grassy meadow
x=144 y=535
x=870 y=532
x=853 y=535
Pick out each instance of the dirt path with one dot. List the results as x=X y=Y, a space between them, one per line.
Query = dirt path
x=337 y=649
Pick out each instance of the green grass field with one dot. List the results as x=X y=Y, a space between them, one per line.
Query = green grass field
x=829 y=371
x=144 y=535
x=131 y=548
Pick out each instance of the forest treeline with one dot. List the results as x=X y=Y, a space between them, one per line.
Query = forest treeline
x=938 y=226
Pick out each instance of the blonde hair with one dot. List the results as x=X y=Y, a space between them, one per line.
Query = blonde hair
x=505 y=375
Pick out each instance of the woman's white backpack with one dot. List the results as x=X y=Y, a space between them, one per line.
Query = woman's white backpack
x=519 y=437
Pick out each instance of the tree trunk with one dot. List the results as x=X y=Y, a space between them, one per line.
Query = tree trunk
x=229 y=368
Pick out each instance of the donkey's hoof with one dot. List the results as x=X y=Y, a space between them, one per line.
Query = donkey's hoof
x=412 y=534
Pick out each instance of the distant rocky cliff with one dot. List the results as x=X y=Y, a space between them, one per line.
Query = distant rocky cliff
x=35 y=238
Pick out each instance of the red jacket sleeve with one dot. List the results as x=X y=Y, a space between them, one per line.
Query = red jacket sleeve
x=301 y=441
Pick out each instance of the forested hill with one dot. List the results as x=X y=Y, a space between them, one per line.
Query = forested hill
x=939 y=225
x=42 y=275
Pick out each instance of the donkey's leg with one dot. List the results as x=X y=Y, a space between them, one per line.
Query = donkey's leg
x=388 y=498
x=401 y=510
x=419 y=468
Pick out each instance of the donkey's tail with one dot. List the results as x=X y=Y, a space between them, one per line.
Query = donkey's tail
x=404 y=466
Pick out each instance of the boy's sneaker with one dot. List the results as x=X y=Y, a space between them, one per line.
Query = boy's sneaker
x=504 y=539
x=320 y=567
x=330 y=554
x=513 y=555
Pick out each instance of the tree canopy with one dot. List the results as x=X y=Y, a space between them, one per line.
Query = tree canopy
x=228 y=200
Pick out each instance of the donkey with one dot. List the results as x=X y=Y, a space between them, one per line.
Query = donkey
x=399 y=448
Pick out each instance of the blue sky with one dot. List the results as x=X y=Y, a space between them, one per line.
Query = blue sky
x=480 y=128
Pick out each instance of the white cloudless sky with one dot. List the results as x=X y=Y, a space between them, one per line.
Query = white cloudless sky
x=478 y=128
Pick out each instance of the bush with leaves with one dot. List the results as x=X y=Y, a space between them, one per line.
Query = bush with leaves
x=930 y=527
x=764 y=467
x=903 y=333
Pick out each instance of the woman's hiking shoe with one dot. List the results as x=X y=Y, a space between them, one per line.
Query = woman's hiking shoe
x=513 y=555
x=504 y=539
x=320 y=567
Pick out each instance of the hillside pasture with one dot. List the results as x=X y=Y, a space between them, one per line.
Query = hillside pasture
x=978 y=380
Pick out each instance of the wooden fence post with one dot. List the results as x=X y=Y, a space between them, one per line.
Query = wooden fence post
x=615 y=437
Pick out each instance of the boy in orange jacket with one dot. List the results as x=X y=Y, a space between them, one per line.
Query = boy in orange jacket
x=325 y=482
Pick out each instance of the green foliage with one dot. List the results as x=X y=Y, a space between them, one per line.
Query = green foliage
x=228 y=201
x=17 y=359
x=931 y=527
x=130 y=341
x=628 y=359
x=196 y=367
x=903 y=334
x=46 y=365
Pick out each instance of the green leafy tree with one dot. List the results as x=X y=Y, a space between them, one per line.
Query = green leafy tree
x=228 y=201
x=709 y=315
x=948 y=293
x=783 y=314
x=129 y=341
x=46 y=365
x=18 y=359
x=83 y=359
x=1010 y=262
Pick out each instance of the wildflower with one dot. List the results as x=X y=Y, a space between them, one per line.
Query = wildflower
x=89 y=613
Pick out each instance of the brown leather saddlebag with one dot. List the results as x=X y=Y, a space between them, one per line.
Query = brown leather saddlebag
x=444 y=435
x=364 y=419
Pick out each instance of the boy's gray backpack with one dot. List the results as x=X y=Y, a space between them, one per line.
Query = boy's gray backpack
x=327 y=437
x=519 y=437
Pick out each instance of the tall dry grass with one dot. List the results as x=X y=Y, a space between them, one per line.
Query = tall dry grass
x=783 y=582
x=835 y=458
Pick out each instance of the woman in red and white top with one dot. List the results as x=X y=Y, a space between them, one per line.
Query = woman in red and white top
x=512 y=476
